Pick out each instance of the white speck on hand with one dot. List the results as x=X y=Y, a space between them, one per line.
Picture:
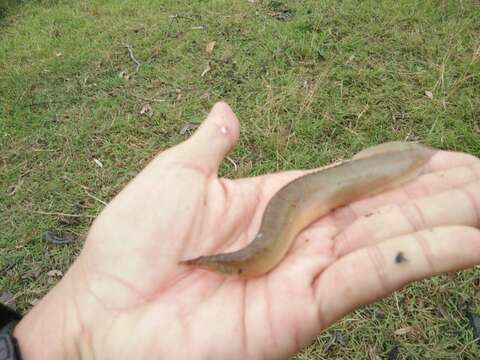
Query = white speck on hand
x=223 y=130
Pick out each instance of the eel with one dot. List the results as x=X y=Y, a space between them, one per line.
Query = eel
x=307 y=198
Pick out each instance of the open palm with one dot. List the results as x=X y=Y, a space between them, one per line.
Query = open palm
x=137 y=301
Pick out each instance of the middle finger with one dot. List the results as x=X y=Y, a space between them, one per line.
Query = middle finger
x=459 y=206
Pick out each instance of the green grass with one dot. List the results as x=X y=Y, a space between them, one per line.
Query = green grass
x=311 y=81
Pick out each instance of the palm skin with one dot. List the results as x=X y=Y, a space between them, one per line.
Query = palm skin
x=128 y=297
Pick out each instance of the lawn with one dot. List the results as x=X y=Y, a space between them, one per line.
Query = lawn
x=91 y=90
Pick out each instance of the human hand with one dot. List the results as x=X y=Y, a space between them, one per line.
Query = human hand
x=126 y=296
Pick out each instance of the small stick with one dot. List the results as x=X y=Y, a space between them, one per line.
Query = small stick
x=233 y=162
x=39 y=103
x=86 y=191
x=148 y=99
x=62 y=214
x=96 y=198
x=130 y=52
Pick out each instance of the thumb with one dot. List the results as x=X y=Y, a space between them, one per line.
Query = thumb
x=212 y=141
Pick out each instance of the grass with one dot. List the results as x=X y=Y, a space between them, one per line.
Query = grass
x=311 y=81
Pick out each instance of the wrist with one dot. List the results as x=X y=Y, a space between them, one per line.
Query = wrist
x=52 y=328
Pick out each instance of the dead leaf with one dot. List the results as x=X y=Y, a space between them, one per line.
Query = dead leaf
x=336 y=338
x=58 y=54
x=380 y=314
x=57 y=238
x=9 y=264
x=205 y=71
x=474 y=323
x=98 y=162
x=210 y=46
x=54 y=273
x=281 y=11
x=393 y=354
x=146 y=110
x=7 y=298
x=404 y=330
x=429 y=94
x=187 y=127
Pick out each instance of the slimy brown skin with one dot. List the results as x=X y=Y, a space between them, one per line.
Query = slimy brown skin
x=304 y=200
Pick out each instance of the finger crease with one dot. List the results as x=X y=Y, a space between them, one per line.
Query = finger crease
x=191 y=229
x=416 y=189
x=413 y=215
x=341 y=244
x=426 y=250
x=191 y=167
x=344 y=215
x=378 y=261
x=473 y=203
x=227 y=201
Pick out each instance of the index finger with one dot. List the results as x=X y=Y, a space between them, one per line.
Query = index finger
x=438 y=175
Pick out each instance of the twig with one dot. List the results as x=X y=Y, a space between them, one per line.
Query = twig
x=96 y=198
x=40 y=103
x=233 y=163
x=362 y=112
x=148 y=99
x=130 y=52
x=62 y=214
x=178 y=16
x=86 y=188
